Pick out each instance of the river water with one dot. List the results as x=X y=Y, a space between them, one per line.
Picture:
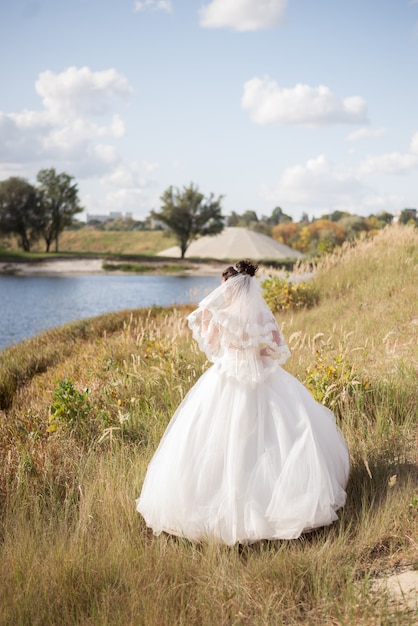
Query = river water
x=31 y=304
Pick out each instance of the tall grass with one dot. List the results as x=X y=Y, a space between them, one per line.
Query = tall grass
x=73 y=549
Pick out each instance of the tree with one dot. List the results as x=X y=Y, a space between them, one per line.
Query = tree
x=353 y=225
x=325 y=235
x=335 y=216
x=233 y=219
x=286 y=232
x=59 y=201
x=20 y=211
x=385 y=217
x=188 y=215
x=248 y=218
x=278 y=217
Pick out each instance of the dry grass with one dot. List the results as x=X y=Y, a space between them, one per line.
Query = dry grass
x=89 y=240
x=369 y=295
x=73 y=549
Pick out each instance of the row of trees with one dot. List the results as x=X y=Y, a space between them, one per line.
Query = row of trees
x=322 y=235
x=42 y=211
x=188 y=215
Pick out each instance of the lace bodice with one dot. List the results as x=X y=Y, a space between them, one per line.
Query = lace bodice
x=236 y=317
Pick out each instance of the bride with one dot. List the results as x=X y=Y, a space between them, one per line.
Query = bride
x=249 y=454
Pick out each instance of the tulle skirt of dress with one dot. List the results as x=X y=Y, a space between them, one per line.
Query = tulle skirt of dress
x=243 y=461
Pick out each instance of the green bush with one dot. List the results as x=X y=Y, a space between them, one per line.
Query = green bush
x=282 y=295
x=70 y=409
x=333 y=380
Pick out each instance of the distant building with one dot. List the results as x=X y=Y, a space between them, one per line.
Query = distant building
x=96 y=218
x=411 y=211
x=113 y=215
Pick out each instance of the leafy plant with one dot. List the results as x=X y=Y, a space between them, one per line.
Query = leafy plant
x=332 y=379
x=282 y=295
x=70 y=409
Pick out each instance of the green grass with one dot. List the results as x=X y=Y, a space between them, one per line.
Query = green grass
x=89 y=240
x=74 y=551
x=142 y=268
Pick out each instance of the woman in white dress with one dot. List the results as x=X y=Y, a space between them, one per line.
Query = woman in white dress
x=249 y=454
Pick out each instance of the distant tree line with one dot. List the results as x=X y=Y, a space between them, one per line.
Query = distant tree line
x=42 y=211
x=323 y=234
x=317 y=235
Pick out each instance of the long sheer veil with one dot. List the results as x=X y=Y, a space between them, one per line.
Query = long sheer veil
x=236 y=316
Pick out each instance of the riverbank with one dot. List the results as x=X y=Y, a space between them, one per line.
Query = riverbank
x=84 y=406
x=150 y=265
x=57 y=266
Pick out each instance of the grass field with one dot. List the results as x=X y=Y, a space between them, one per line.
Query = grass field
x=148 y=242
x=83 y=408
x=88 y=241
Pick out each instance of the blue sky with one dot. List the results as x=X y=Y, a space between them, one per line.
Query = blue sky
x=307 y=105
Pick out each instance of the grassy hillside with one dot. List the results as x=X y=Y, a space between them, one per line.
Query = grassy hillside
x=74 y=551
x=90 y=241
x=369 y=295
x=116 y=242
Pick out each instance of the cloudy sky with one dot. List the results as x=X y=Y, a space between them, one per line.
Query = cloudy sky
x=308 y=105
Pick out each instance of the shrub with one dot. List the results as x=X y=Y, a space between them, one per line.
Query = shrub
x=70 y=409
x=282 y=295
x=333 y=380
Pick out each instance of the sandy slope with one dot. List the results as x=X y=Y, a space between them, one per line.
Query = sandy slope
x=402 y=588
x=55 y=266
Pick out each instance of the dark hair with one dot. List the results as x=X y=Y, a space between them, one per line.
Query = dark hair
x=242 y=267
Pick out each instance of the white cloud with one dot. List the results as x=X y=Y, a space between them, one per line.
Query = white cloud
x=179 y=165
x=414 y=142
x=319 y=186
x=101 y=204
x=243 y=15
x=137 y=201
x=390 y=163
x=64 y=131
x=106 y=153
x=128 y=176
x=268 y=103
x=131 y=187
x=366 y=133
x=150 y=166
x=316 y=183
x=153 y=5
x=80 y=92
x=375 y=203
x=77 y=130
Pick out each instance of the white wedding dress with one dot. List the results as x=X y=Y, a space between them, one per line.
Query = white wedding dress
x=249 y=454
